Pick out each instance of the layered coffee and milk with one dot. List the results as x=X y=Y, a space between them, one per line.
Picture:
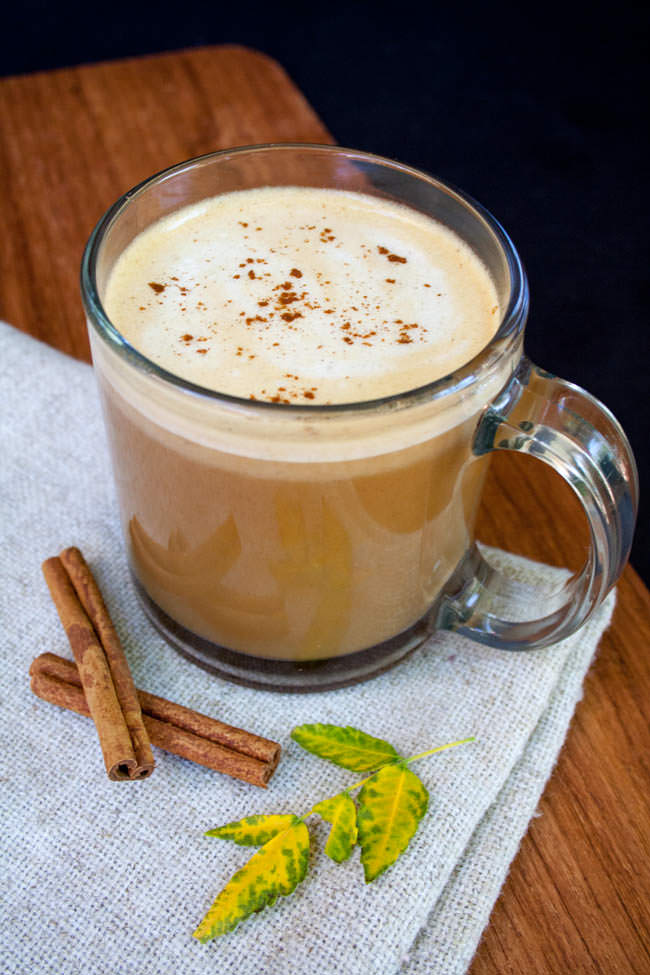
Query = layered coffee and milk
x=296 y=533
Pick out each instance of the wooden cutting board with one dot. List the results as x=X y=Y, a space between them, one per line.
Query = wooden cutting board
x=577 y=896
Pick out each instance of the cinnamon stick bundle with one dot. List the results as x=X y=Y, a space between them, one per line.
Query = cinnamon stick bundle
x=170 y=726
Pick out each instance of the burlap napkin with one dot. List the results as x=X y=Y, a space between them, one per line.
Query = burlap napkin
x=105 y=877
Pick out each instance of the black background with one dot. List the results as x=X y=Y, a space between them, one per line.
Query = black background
x=538 y=113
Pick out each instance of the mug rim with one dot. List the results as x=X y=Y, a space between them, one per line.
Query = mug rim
x=505 y=338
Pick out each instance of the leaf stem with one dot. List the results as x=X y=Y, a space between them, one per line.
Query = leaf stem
x=440 y=748
x=405 y=761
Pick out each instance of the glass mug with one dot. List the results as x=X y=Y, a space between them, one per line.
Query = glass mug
x=304 y=548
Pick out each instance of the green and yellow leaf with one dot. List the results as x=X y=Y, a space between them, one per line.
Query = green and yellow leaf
x=347 y=747
x=253 y=830
x=391 y=804
x=341 y=812
x=276 y=869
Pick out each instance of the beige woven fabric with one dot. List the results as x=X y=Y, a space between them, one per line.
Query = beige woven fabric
x=112 y=878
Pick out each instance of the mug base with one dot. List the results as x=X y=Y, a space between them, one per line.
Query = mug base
x=288 y=676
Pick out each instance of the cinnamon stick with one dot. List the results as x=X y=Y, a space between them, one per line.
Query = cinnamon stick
x=57 y=680
x=255 y=746
x=93 y=603
x=94 y=674
x=245 y=742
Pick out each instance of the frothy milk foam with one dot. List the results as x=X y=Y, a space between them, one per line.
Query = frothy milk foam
x=304 y=296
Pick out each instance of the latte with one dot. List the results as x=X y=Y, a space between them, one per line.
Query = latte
x=292 y=533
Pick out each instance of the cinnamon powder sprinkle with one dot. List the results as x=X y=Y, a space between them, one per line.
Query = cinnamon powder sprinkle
x=394 y=258
x=277 y=295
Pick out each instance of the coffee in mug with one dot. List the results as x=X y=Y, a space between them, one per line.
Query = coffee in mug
x=306 y=357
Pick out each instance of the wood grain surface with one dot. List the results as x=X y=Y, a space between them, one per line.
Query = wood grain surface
x=578 y=894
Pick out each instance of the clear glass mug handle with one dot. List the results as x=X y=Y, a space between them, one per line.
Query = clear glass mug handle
x=578 y=437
